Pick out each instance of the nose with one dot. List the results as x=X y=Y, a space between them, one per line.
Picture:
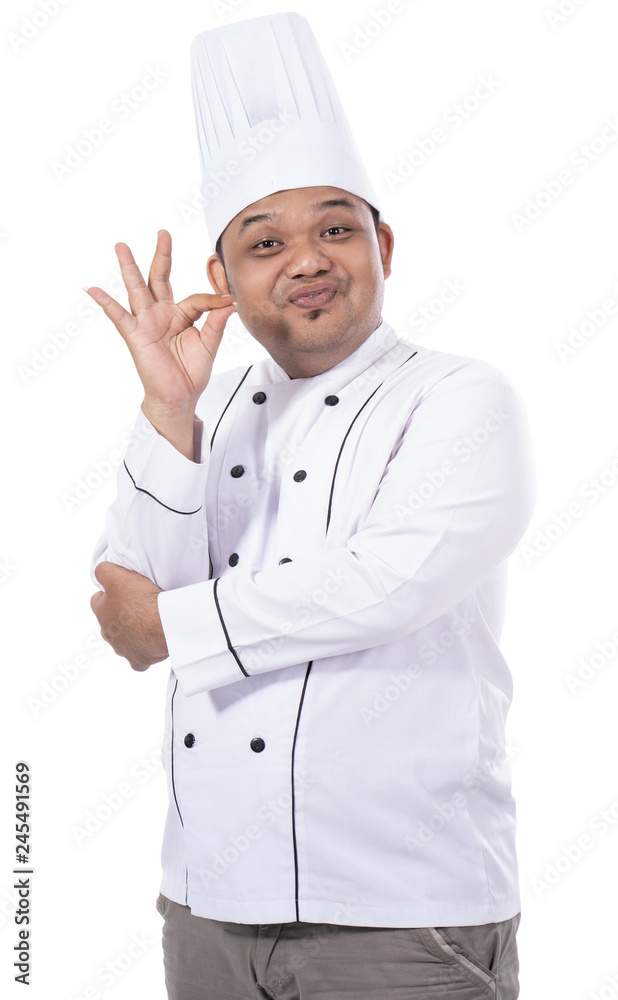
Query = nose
x=307 y=257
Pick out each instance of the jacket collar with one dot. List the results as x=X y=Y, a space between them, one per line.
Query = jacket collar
x=383 y=338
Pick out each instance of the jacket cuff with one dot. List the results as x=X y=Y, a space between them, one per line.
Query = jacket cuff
x=199 y=650
x=157 y=469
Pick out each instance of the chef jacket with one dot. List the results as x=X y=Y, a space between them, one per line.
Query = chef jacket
x=333 y=568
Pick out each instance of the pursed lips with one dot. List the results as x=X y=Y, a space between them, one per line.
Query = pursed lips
x=313 y=296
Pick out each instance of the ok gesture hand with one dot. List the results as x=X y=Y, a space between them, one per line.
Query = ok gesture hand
x=173 y=357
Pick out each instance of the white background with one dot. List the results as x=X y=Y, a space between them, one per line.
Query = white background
x=86 y=723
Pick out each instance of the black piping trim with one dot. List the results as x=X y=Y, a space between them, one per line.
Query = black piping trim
x=332 y=486
x=302 y=697
x=174 y=785
x=213 y=438
x=406 y=361
x=140 y=490
x=300 y=706
x=228 y=403
x=172 y=754
x=229 y=644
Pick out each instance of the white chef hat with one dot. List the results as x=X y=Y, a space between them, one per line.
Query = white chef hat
x=268 y=117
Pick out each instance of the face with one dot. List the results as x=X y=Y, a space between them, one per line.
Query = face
x=307 y=270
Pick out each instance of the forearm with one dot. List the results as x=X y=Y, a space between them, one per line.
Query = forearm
x=371 y=592
x=404 y=568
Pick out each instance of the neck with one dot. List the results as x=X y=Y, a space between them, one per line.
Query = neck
x=315 y=362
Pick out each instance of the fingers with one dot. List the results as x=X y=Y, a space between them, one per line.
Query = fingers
x=124 y=321
x=160 y=269
x=216 y=320
x=96 y=599
x=140 y=296
x=108 y=573
x=195 y=305
x=112 y=576
x=101 y=572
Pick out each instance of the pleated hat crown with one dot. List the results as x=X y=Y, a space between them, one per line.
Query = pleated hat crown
x=268 y=117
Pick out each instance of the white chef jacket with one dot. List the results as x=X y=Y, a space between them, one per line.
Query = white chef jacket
x=334 y=566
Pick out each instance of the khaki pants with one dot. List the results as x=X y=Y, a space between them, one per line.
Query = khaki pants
x=220 y=960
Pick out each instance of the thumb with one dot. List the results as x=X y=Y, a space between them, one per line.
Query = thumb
x=216 y=320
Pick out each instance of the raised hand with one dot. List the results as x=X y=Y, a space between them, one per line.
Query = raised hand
x=173 y=357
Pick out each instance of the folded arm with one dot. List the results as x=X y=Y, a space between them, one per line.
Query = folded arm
x=453 y=503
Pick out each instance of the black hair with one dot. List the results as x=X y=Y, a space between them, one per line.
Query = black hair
x=374 y=213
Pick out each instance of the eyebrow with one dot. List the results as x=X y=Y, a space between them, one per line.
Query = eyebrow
x=317 y=206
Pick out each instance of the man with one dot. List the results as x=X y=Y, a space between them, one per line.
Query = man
x=318 y=542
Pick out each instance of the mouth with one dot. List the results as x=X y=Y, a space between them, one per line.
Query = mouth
x=313 y=297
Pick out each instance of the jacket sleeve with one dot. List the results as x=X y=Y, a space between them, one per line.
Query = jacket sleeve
x=157 y=523
x=454 y=501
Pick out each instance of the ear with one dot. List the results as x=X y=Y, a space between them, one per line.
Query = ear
x=386 y=240
x=216 y=274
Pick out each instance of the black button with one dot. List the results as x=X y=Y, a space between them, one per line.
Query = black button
x=233 y=560
x=259 y=397
x=299 y=476
x=258 y=744
x=238 y=471
x=331 y=400
x=189 y=740
x=285 y=559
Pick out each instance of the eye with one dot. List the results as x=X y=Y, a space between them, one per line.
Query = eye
x=262 y=245
x=342 y=229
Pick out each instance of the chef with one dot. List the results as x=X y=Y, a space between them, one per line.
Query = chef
x=317 y=543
